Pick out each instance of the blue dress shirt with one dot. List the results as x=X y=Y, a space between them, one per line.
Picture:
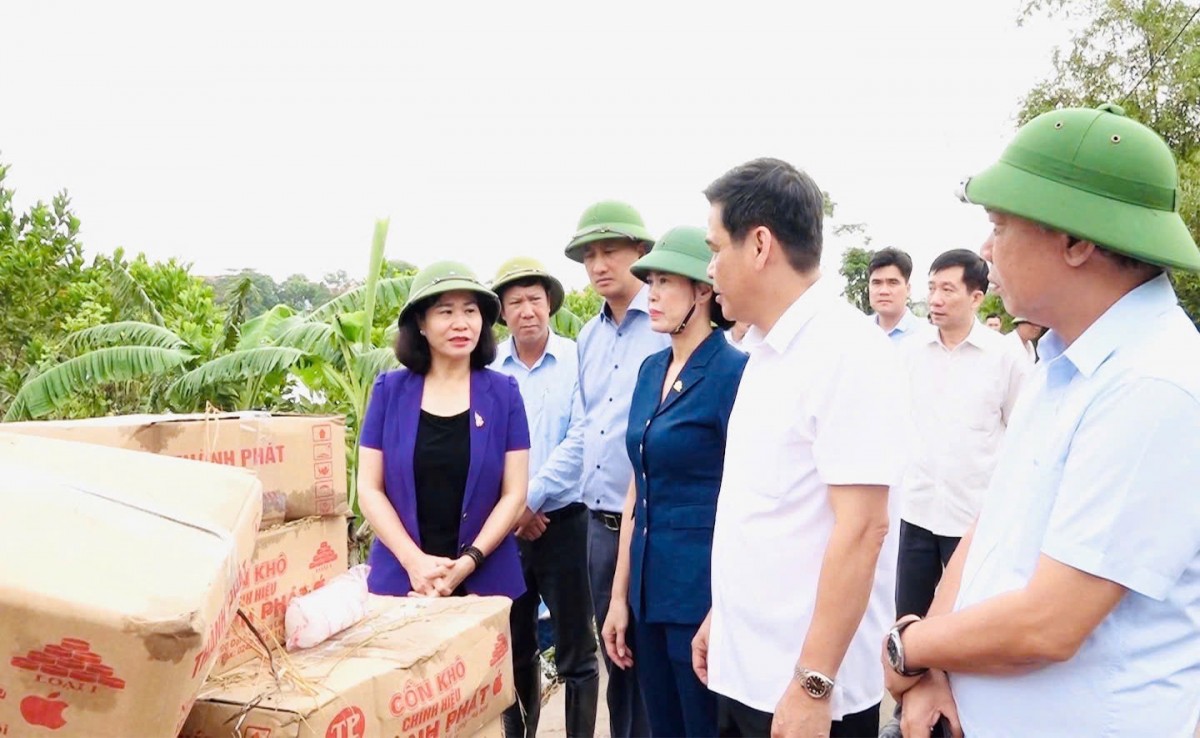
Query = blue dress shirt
x=550 y=389
x=609 y=358
x=1099 y=471
x=909 y=326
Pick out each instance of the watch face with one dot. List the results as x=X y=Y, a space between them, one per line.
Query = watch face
x=816 y=686
x=893 y=652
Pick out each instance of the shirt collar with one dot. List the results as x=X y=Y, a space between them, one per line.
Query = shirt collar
x=507 y=350
x=1127 y=317
x=978 y=336
x=907 y=323
x=640 y=303
x=793 y=319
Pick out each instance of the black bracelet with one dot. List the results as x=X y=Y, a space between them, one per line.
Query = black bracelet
x=475 y=555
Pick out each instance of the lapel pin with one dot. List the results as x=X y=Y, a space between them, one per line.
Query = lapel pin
x=478 y=420
x=678 y=386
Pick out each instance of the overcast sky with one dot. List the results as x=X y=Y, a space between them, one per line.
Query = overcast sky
x=271 y=134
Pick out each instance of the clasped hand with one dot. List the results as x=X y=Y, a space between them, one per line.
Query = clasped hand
x=438 y=576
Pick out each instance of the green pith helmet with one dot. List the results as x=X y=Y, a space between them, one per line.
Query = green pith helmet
x=604 y=220
x=682 y=250
x=1097 y=175
x=523 y=267
x=449 y=276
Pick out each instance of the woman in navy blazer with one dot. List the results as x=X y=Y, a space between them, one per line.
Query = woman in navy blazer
x=676 y=441
x=444 y=456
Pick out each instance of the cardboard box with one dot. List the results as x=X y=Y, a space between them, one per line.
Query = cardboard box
x=428 y=668
x=300 y=459
x=289 y=560
x=121 y=574
x=494 y=729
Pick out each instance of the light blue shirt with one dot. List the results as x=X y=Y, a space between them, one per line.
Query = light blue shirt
x=609 y=358
x=909 y=326
x=550 y=390
x=1100 y=470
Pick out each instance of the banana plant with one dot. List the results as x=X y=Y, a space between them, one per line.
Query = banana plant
x=332 y=352
x=113 y=352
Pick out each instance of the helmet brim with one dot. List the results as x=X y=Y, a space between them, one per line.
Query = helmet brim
x=606 y=232
x=488 y=303
x=1156 y=237
x=671 y=262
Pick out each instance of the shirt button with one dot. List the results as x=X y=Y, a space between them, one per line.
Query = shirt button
x=597 y=466
x=616 y=366
x=601 y=432
x=464 y=516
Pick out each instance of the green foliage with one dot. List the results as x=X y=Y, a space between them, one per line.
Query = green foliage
x=390 y=296
x=855 y=262
x=992 y=303
x=1135 y=54
x=126 y=333
x=47 y=392
x=239 y=374
x=566 y=323
x=584 y=304
x=41 y=264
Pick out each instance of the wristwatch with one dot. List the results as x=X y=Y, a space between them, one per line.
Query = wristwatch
x=895 y=647
x=815 y=683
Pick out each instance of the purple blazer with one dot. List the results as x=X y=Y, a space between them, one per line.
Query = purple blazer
x=498 y=425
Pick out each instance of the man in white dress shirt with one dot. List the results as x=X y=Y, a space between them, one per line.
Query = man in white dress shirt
x=964 y=380
x=801 y=593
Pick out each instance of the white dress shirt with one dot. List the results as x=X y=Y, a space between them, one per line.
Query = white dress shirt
x=1026 y=348
x=961 y=401
x=817 y=406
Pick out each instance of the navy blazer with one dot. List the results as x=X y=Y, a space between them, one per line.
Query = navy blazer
x=498 y=425
x=678 y=452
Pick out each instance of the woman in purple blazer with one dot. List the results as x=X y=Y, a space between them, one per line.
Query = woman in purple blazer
x=444 y=457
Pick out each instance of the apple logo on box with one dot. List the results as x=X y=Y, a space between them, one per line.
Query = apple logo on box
x=44 y=711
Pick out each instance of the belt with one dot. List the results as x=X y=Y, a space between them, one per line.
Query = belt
x=612 y=521
x=575 y=508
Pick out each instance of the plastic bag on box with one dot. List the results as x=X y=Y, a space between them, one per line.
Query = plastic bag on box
x=318 y=615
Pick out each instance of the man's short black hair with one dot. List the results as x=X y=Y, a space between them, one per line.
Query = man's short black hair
x=975 y=269
x=772 y=193
x=992 y=315
x=891 y=257
x=412 y=348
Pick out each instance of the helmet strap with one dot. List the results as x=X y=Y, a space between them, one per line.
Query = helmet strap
x=686 y=318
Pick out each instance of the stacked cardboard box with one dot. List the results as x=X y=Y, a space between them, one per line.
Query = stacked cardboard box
x=301 y=462
x=300 y=459
x=433 y=668
x=122 y=572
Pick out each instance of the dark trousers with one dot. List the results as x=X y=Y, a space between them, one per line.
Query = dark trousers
x=922 y=558
x=736 y=720
x=555 y=567
x=626 y=710
x=677 y=702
